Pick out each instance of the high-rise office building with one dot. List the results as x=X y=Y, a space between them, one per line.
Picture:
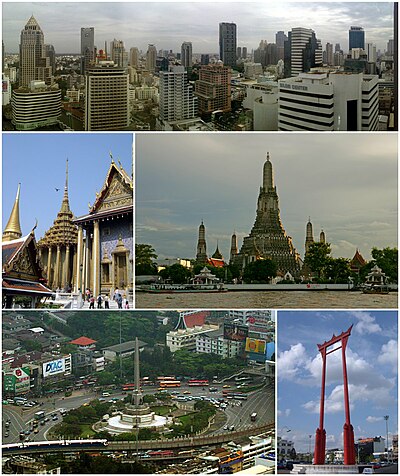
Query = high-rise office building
x=151 y=57
x=87 y=48
x=213 y=88
x=227 y=44
x=51 y=54
x=337 y=48
x=134 y=57
x=280 y=38
x=118 y=53
x=303 y=51
x=107 y=97
x=371 y=52
x=390 y=47
x=244 y=52
x=356 y=37
x=186 y=54
x=239 y=52
x=32 y=60
x=329 y=54
x=328 y=102
x=177 y=101
x=205 y=59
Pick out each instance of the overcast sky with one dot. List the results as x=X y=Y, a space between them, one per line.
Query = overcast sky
x=346 y=183
x=37 y=161
x=371 y=357
x=167 y=24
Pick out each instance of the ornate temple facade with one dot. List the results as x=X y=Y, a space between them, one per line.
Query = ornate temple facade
x=105 y=238
x=22 y=275
x=268 y=238
x=57 y=249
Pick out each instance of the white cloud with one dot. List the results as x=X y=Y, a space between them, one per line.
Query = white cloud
x=373 y=419
x=366 y=323
x=388 y=354
x=290 y=362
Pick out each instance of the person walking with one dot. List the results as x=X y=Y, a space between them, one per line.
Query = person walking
x=91 y=301
x=106 y=303
x=99 y=301
x=119 y=301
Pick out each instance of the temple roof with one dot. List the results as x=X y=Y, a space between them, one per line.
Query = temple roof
x=358 y=259
x=116 y=194
x=83 y=341
x=217 y=263
x=63 y=231
x=217 y=254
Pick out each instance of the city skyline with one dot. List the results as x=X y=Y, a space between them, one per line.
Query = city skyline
x=372 y=372
x=172 y=24
x=316 y=176
x=88 y=162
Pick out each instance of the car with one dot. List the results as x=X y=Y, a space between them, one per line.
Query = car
x=42 y=423
x=6 y=434
x=232 y=428
x=86 y=404
x=105 y=394
x=376 y=465
x=226 y=386
x=54 y=417
x=36 y=430
x=186 y=392
x=27 y=432
x=368 y=471
x=226 y=427
x=47 y=419
x=7 y=424
x=102 y=399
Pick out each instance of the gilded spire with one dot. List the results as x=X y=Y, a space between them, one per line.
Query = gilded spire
x=65 y=202
x=13 y=228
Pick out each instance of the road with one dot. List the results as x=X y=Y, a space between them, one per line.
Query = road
x=260 y=402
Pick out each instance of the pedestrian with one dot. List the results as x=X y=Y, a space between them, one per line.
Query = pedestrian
x=106 y=304
x=87 y=292
x=99 y=300
x=119 y=301
x=126 y=304
x=91 y=301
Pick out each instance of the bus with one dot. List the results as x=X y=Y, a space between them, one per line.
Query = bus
x=128 y=386
x=39 y=415
x=198 y=383
x=164 y=379
x=146 y=381
x=234 y=395
x=169 y=383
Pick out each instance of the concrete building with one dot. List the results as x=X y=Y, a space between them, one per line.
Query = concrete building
x=87 y=48
x=302 y=51
x=186 y=338
x=262 y=99
x=356 y=37
x=328 y=102
x=177 y=100
x=107 y=98
x=6 y=90
x=285 y=447
x=186 y=54
x=151 y=57
x=36 y=106
x=118 y=53
x=213 y=342
x=213 y=89
x=252 y=70
x=33 y=64
x=114 y=352
x=227 y=44
x=134 y=57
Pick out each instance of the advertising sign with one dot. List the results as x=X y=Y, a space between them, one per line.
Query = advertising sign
x=17 y=381
x=255 y=345
x=58 y=366
x=235 y=332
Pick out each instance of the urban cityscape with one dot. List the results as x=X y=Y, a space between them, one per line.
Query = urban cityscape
x=195 y=278
x=138 y=392
x=57 y=78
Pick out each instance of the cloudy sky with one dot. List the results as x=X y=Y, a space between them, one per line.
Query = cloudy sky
x=346 y=183
x=167 y=24
x=38 y=161
x=372 y=373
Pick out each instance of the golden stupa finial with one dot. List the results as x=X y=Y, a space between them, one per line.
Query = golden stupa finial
x=13 y=229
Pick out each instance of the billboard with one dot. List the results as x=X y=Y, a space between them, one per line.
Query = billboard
x=17 y=381
x=58 y=366
x=256 y=346
x=236 y=332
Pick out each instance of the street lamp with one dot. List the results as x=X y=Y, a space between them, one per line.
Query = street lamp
x=281 y=431
x=386 y=417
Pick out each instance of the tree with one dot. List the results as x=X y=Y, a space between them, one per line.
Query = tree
x=177 y=273
x=317 y=257
x=144 y=256
x=260 y=271
x=32 y=345
x=338 y=270
x=387 y=260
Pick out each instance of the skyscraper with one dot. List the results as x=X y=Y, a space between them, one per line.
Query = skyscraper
x=227 y=44
x=356 y=37
x=177 y=101
x=118 y=53
x=51 y=54
x=213 y=88
x=134 y=57
x=280 y=38
x=186 y=54
x=151 y=57
x=87 y=48
x=107 y=97
x=268 y=238
x=303 y=51
x=329 y=54
x=33 y=63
